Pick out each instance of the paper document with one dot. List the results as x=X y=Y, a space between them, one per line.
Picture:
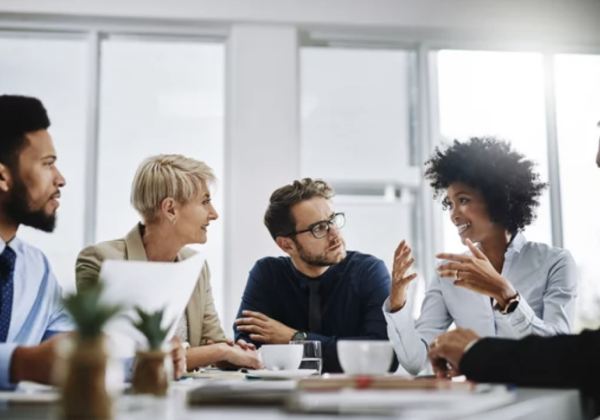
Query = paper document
x=151 y=286
x=412 y=404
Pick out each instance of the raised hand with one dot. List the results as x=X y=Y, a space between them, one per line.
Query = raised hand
x=475 y=272
x=400 y=281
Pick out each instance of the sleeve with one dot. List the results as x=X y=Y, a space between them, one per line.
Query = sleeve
x=60 y=320
x=255 y=298
x=559 y=303
x=211 y=325
x=87 y=268
x=411 y=342
x=563 y=361
x=376 y=284
x=6 y=352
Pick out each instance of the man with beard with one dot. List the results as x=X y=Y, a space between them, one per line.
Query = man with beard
x=30 y=183
x=31 y=313
x=320 y=292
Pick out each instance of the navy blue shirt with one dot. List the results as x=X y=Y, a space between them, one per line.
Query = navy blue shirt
x=352 y=295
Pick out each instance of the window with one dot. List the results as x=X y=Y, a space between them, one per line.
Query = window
x=159 y=97
x=578 y=112
x=500 y=94
x=54 y=70
x=356 y=135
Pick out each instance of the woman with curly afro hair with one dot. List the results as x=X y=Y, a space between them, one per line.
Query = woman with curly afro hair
x=505 y=286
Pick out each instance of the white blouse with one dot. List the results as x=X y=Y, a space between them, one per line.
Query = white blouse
x=545 y=278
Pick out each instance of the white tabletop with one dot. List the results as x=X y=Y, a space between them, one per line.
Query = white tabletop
x=524 y=403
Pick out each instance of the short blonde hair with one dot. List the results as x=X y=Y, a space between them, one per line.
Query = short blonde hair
x=164 y=176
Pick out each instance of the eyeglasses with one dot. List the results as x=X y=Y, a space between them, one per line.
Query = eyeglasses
x=321 y=229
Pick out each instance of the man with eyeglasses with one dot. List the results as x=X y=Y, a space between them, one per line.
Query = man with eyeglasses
x=319 y=292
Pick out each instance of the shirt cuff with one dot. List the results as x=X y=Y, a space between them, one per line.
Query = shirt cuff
x=315 y=337
x=521 y=319
x=471 y=344
x=6 y=353
x=401 y=319
x=387 y=307
x=128 y=368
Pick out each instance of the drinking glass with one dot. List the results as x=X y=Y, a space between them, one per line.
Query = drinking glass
x=312 y=357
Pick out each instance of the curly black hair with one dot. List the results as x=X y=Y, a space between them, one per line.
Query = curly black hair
x=506 y=179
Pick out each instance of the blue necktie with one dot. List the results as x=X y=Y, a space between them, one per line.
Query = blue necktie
x=8 y=259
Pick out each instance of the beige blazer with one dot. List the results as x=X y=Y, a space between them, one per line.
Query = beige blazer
x=203 y=320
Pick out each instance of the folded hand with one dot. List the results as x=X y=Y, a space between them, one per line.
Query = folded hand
x=263 y=329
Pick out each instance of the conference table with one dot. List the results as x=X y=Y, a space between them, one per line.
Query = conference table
x=524 y=403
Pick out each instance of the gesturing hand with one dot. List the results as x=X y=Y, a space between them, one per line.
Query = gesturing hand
x=475 y=272
x=264 y=329
x=402 y=262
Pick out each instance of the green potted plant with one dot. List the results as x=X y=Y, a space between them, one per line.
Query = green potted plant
x=84 y=393
x=152 y=370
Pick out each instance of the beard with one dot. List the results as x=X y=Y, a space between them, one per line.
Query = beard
x=18 y=208
x=318 y=260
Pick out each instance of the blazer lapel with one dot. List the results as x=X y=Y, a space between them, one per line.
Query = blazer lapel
x=134 y=245
x=193 y=313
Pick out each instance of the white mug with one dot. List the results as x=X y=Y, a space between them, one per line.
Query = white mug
x=281 y=356
x=365 y=357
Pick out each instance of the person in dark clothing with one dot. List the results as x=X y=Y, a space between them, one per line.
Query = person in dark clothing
x=319 y=291
x=563 y=361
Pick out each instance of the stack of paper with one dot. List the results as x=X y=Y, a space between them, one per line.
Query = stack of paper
x=151 y=286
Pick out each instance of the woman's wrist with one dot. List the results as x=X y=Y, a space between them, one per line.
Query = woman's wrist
x=397 y=301
x=506 y=293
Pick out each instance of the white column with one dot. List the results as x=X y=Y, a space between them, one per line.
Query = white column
x=262 y=145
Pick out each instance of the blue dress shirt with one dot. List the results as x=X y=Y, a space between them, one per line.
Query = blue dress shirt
x=37 y=313
x=352 y=293
x=545 y=278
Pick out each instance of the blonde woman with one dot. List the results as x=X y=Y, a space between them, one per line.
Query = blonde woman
x=172 y=195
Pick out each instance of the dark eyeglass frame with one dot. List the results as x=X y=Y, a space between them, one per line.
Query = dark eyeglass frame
x=328 y=224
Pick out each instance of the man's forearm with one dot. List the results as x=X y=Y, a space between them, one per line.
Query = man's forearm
x=559 y=361
x=29 y=364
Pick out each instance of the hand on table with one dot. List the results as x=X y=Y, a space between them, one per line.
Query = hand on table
x=447 y=350
x=178 y=357
x=229 y=342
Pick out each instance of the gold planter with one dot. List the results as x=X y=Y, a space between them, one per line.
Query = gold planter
x=84 y=393
x=151 y=373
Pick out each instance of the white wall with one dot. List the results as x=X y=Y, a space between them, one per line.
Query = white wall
x=563 y=21
x=262 y=144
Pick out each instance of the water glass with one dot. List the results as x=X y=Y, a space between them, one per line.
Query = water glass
x=312 y=357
